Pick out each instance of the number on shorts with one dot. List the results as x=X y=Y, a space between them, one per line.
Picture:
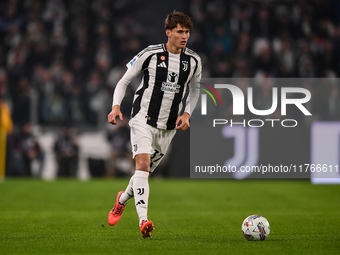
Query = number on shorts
x=156 y=156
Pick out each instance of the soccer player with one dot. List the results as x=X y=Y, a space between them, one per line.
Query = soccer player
x=170 y=70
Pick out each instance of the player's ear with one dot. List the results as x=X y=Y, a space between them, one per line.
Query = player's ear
x=168 y=32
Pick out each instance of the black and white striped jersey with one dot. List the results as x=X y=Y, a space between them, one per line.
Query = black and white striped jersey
x=167 y=77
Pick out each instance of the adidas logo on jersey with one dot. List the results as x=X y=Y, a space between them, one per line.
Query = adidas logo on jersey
x=162 y=64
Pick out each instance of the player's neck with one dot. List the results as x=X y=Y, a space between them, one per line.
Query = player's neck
x=172 y=48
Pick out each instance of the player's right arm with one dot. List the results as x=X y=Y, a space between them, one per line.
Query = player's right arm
x=111 y=118
x=134 y=68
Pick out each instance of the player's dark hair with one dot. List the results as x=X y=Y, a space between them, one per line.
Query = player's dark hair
x=175 y=18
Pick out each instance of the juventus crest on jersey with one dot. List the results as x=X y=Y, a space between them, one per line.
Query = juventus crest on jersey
x=167 y=77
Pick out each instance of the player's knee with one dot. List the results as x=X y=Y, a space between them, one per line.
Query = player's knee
x=143 y=165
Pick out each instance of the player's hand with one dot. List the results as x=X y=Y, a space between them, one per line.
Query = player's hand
x=182 y=122
x=111 y=118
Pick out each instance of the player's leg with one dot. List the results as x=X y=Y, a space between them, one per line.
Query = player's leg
x=121 y=200
x=161 y=143
x=142 y=160
x=141 y=192
x=141 y=185
x=141 y=139
x=161 y=140
x=140 y=143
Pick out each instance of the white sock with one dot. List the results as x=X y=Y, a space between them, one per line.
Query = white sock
x=128 y=193
x=141 y=193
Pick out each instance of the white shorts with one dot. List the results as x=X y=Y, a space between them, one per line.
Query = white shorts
x=150 y=140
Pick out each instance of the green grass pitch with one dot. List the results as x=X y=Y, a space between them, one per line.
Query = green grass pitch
x=190 y=216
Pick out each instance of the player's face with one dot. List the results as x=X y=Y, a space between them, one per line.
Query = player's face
x=178 y=36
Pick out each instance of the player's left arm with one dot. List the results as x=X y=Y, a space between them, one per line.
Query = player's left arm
x=192 y=99
x=182 y=122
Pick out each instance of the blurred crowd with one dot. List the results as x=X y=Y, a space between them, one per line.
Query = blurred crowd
x=67 y=55
x=281 y=38
x=60 y=60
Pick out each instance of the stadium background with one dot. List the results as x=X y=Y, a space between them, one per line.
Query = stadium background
x=60 y=61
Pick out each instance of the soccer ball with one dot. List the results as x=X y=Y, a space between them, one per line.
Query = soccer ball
x=255 y=228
